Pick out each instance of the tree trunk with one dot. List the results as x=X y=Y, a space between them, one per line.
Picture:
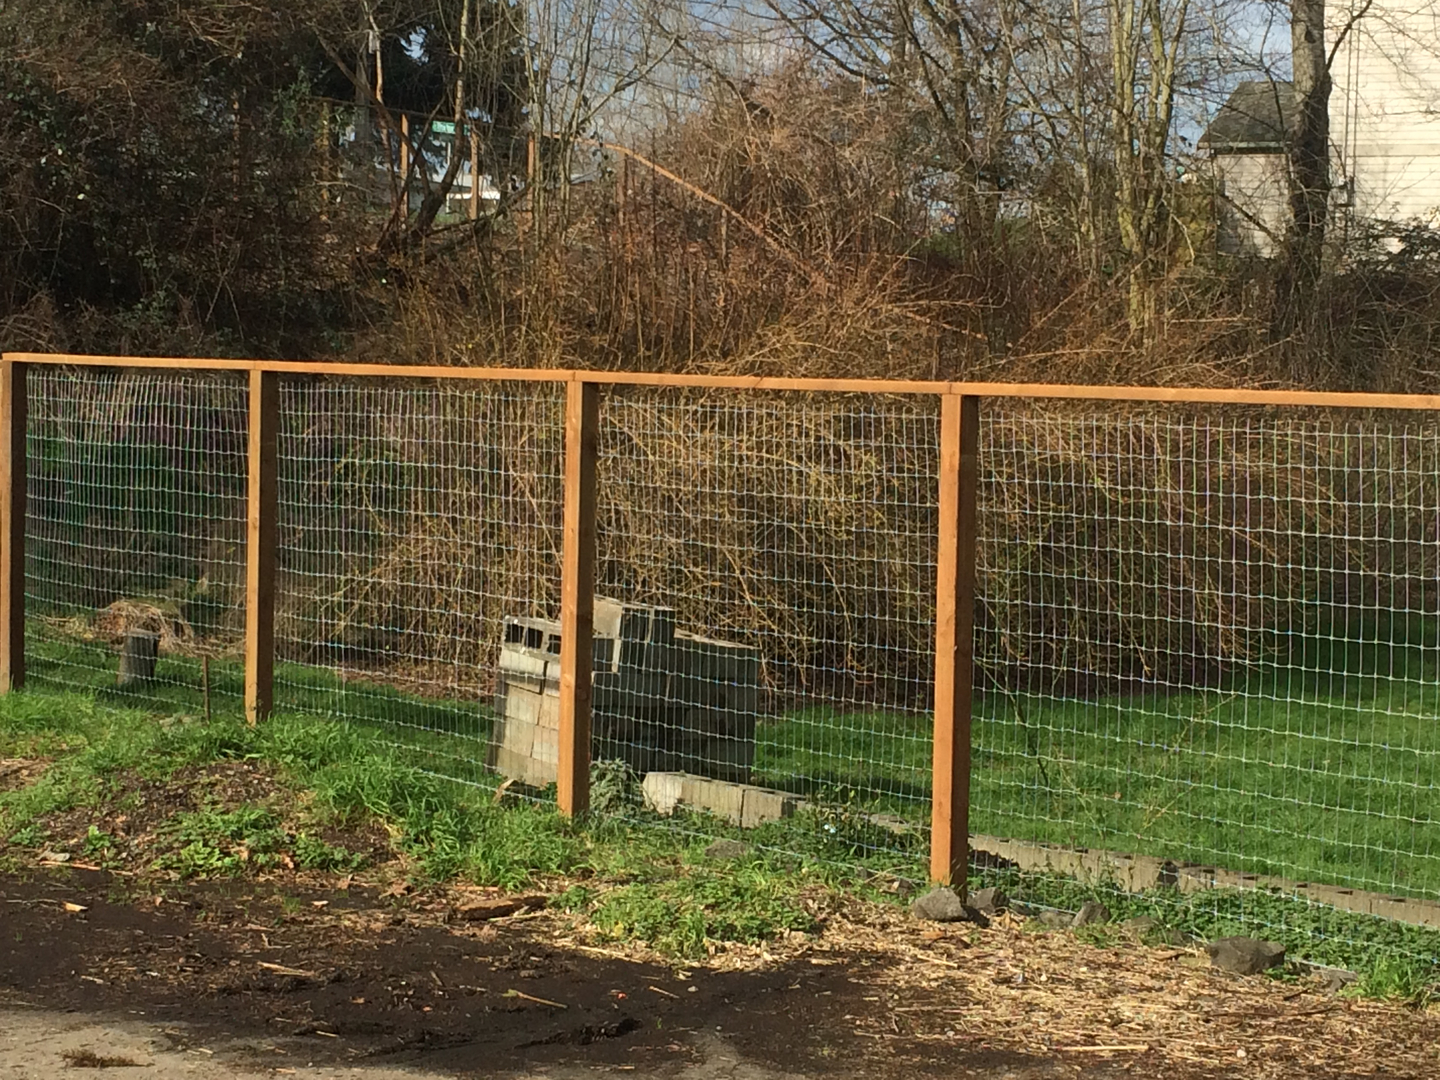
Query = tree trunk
x=1297 y=280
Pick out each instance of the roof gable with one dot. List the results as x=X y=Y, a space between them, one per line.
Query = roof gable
x=1260 y=116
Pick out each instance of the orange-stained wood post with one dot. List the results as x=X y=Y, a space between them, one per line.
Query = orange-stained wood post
x=261 y=513
x=954 y=638
x=13 y=411
x=577 y=596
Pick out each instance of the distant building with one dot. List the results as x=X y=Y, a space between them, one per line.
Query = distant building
x=1248 y=142
x=1384 y=129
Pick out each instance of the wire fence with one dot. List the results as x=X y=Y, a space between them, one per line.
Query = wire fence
x=136 y=523
x=414 y=519
x=1207 y=635
x=1213 y=638
x=792 y=542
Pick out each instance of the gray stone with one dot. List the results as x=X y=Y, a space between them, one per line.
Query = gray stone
x=1056 y=920
x=728 y=849
x=990 y=901
x=1090 y=913
x=939 y=905
x=1337 y=979
x=1245 y=955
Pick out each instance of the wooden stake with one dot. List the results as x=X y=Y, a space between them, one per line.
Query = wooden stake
x=404 y=148
x=577 y=597
x=261 y=515
x=474 y=170
x=14 y=401
x=954 y=646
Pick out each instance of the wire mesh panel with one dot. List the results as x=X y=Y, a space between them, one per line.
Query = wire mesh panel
x=1213 y=639
x=767 y=579
x=135 y=533
x=414 y=519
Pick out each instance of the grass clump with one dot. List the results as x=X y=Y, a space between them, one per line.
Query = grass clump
x=688 y=914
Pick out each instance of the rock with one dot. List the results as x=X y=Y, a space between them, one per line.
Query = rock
x=991 y=901
x=939 y=905
x=1090 y=913
x=1056 y=920
x=728 y=849
x=1245 y=955
x=1336 y=979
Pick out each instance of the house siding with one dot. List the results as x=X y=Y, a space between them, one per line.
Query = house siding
x=1256 y=183
x=1385 y=109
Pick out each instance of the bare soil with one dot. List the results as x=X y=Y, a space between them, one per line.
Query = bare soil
x=286 y=977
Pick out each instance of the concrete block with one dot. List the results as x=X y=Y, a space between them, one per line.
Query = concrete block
x=547 y=746
x=662 y=791
x=522 y=704
x=515 y=661
x=548 y=715
x=760 y=805
x=714 y=796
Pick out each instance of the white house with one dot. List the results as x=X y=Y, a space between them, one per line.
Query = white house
x=1384 y=128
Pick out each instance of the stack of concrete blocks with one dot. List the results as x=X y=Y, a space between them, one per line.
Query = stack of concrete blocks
x=663 y=699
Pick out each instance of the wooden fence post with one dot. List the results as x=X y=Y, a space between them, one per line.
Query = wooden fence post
x=954 y=644
x=261 y=529
x=14 y=409
x=577 y=596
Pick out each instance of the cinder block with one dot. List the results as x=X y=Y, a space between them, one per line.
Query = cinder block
x=547 y=746
x=761 y=805
x=714 y=796
x=517 y=736
x=662 y=791
x=522 y=704
x=516 y=661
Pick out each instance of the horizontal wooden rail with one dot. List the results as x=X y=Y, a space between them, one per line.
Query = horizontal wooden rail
x=1035 y=391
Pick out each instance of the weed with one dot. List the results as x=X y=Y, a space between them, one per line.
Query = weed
x=1414 y=982
x=212 y=841
x=687 y=914
x=614 y=787
x=312 y=853
x=97 y=841
x=33 y=835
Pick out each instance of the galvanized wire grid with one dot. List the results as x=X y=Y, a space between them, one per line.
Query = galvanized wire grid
x=788 y=542
x=1213 y=639
x=414 y=519
x=136 y=523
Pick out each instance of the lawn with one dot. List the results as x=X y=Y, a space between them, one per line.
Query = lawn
x=227 y=799
x=1325 y=777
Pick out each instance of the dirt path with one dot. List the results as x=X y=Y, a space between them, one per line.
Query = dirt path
x=221 y=981
x=38 y=1044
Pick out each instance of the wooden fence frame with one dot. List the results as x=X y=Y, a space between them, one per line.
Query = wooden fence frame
x=958 y=483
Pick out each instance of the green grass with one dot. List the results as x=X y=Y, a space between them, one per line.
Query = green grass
x=1328 y=778
x=633 y=876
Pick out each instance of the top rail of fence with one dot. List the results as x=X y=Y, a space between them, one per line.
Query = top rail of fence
x=1052 y=391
